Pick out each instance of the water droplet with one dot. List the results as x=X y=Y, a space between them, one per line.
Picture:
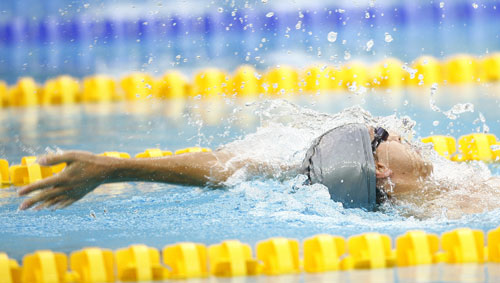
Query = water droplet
x=332 y=36
x=347 y=55
x=298 y=25
x=434 y=88
x=388 y=37
x=411 y=71
x=369 y=45
x=270 y=14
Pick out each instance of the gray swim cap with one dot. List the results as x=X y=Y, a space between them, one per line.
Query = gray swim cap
x=342 y=160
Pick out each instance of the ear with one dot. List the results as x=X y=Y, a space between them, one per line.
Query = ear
x=382 y=171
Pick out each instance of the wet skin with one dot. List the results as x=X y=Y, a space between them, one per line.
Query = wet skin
x=400 y=169
x=408 y=169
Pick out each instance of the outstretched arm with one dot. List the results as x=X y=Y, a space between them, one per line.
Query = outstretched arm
x=85 y=172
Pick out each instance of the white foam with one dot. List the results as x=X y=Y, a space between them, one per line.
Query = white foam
x=287 y=131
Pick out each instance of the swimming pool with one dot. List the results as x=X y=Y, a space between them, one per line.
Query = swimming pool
x=117 y=215
x=44 y=40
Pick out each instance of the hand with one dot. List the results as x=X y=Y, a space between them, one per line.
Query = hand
x=83 y=173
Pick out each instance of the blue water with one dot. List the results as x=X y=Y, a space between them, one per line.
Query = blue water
x=118 y=215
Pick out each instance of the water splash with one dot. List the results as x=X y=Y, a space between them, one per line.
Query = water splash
x=286 y=132
x=455 y=111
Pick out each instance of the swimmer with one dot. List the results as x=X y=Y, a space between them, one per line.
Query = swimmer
x=360 y=165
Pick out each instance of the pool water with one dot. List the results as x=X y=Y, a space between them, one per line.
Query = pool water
x=117 y=215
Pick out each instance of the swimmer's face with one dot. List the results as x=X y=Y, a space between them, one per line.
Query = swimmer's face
x=407 y=165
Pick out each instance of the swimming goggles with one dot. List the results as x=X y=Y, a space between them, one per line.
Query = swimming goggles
x=380 y=135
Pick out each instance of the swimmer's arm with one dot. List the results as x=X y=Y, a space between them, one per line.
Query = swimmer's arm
x=191 y=169
x=85 y=172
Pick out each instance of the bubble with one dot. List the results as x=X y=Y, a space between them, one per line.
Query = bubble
x=435 y=123
x=264 y=1
x=270 y=14
x=367 y=15
x=332 y=36
x=298 y=25
x=441 y=5
x=220 y=9
x=474 y=5
x=388 y=38
x=86 y=5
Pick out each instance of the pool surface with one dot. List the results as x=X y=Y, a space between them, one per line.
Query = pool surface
x=117 y=215
x=363 y=46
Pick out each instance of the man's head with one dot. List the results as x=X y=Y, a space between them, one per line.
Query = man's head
x=343 y=159
x=399 y=167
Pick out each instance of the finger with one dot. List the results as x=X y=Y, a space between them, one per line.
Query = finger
x=45 y=195
x=53 y=159
x=59 y=200
x=65 y=203
x=42 y=184
x=50 y=202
